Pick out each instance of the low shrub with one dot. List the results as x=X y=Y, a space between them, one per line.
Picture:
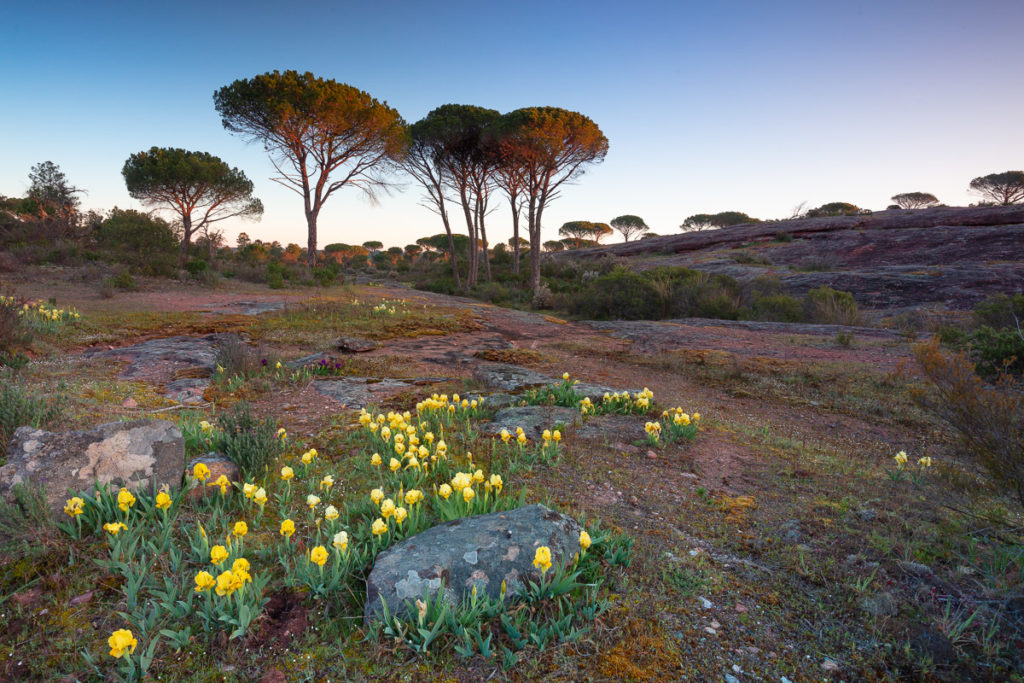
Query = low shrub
x=20 y=407
x=13 y=332
x=249 y=443
x=996 y=351
x=621 y=294
x=777 y=307
x=122 y=280
x=1001 y=311
x=987 y=418
x=196 y=266
x=831 y=307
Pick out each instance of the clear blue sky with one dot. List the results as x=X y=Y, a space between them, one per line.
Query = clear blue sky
x=752 y=106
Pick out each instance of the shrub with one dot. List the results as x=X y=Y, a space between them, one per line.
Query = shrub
x=619 y=294
x=196 y=266
x=1001 y=311
x=122 y=280
x=20 y=408
x=778 y=307
x=783 y=236
x=249 y=443
x=750 y=258
x=987 y=418
x=830 y=306
x=327 y=274
x=13 y=331
x=238 y=358
x=997 y=351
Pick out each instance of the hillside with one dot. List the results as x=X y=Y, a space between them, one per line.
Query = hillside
x=890 y=259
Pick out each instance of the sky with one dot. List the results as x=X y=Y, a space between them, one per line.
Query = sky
x=753 y=106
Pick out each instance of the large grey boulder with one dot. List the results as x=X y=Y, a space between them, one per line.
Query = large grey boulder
x=508 y=377
x=143 y=454
x=478 y=551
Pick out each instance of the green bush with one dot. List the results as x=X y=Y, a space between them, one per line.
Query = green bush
x=327 y=274
x=995 y=351
x=22 y=408
x=122 y=280
x=13 y=332
x=621 y=294
x=777 y=307
x=830 y=306
x=249 y=443
x=196 y=266
x=1001 y=311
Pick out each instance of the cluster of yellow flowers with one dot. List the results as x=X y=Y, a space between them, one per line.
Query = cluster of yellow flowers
x=229 y=580
x=679 y=418
x=42 y=310
x=413 y=444
x=441 y=402
x=901 y=460
x=653 y=429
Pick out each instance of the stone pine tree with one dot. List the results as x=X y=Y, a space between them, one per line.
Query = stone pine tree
x=197 y=187
x=1001 y=188
x=321 y=135
x=630 y=226
x=915 y=200
x=552 y=147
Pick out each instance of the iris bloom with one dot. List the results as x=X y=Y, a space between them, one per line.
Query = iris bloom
x=201 y=472
x=204 y=582
x=240 y=529
x=218 y=554
x=379 y=527
x=74 y=506
x=287 y=528
x=121 y=642
x=318 y=555
x=125 y=499
x=287 y=473
x=542 y=559
x=341 y=540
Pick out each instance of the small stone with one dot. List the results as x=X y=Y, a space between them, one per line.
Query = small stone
x=729 y=678
x=129 y=403
x=785 y=680
x=355 y=345
x=82 y=599
x=707 y=604
x=715 y=625
x=829 y=665
x=708 y=629
x=916 y=569
x=882 y=604
x=652 y=455
x=866 y=514
x=740 y=607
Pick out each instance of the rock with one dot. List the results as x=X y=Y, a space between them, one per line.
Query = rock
x=477 y=551
x=729 y=678
x=218 y=465
x=934 y=645
x=162 y=359
x=498 y=401
x=143 y=454
x=507 y=377
x=883 y=604
x=129 y=403
x=610 y=427
x=921 y=571
x=83 y=599
x=533 y=419
x=355 y=345
x=791 y=532
x=829 y=665
x=189 y=390
x=360 y=392
x=596 y=392
x=866 y=514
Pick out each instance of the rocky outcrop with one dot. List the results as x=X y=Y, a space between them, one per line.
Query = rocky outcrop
x=143 y=454
x=478 y=551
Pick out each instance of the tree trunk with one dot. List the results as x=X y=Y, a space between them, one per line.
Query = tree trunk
x=451 y=246
x=481 y=210
x=186 y=238
x=515 y=236
x=534 y=217
x=474 y=257
x=311 y=243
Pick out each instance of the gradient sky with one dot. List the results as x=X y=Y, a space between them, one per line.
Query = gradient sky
x=753 y=106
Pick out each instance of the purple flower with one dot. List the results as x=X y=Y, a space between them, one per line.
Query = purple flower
x=264 y=361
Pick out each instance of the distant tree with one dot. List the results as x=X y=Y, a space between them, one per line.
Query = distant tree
x=1001 y=188
x=915 y=200
x=243 y=240
x=550 y=147
x=707 y=221
x=584 y=231
x=554 y=245
x=630 y=226
x=50 y=188
x=314 y=128
x=648 y=235
x=412 y=251
x=373 y=245
x=835 y=209
x=395 y=254
x=197 y=187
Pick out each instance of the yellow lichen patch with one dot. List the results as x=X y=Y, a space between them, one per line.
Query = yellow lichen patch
x=736 y=509
x=643 y=654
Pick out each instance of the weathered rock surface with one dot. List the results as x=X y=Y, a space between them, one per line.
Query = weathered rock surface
x=160 y=359
x=478 y=551
x=533 y=419
x=360 y=392
x=143 y=454
x=507 y=377
x=188 y=390
x=355 y=345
